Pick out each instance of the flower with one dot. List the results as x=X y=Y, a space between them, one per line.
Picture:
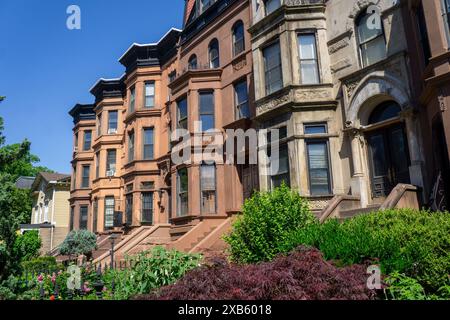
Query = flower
x=40 y=278
x=52 y=298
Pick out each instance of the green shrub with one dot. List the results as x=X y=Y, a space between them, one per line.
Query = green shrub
x=41 y=264
x=79 y=242
x=151 y=269
x=267 y=222
x=414 y=243
x=27 y=246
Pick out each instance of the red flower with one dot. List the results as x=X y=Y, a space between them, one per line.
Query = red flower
x=52 y=298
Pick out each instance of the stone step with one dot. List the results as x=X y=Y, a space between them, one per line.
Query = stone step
x=348 y=214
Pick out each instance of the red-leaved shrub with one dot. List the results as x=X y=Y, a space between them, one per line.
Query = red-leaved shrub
x=302 y=275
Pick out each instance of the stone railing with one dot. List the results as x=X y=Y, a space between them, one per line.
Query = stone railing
x=302 y=2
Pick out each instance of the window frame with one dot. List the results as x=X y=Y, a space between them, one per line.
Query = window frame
x=132 y=103
x=112 y=130
x=236 y=41
x=131 y=146
x=266 y=12
x=129 y=206
x=203 y=165
x=193 y=62
x=359 y=17
x=85 y=178
x=316 y=58
x=265 y=71
x=95 y=216
x=87 y=133
x=152 y=202
x=108 y=164
x=184 y=119
x=151 y=145
x=152 y=83
x=109 y=207
x=207 y=113
x=184 y=192
x=237 y=105
x=314 y=138
x=83 y=223
x=214 y=45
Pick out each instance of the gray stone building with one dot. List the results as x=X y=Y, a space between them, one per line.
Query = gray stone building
x=333 y=76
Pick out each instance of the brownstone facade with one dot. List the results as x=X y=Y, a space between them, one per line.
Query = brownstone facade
x=429 y=49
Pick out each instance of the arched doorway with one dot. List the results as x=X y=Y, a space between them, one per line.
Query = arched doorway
x=388 y=149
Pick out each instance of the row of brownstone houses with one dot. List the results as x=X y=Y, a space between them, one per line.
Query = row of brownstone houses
x=359 y=90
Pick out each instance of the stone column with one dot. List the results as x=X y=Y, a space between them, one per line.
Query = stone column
x=358 y=181
x=416 y=169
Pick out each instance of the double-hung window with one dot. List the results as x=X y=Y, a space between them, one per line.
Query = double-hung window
x=214 y=58
x=97 y=165
x=112 y=122
x=149 y=94
x=109 y=212
x=182 y=114
x=132 y=99
x=129 y=208
x=95 y=216
x=207 y=110
x=131 y=146
x=272 y=68
x=241 y=100
x=318 y=160
x=85 y=177
x=208 y=188
x=309 y=66
x=87 y=140
x=147 y=207
x=238 y=38
x=111 y=159
x=372 y=44
x=279 y=169
x=83 y=218
x=148 y=144
x=183 y=192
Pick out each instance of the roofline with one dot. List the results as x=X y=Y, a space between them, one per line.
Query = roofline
x=106 y=80
x=149 y=44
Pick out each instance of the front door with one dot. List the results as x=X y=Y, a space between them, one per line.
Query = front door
x=389 y=159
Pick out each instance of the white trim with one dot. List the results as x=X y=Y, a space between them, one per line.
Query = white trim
x=149 y=44
x=105 y=79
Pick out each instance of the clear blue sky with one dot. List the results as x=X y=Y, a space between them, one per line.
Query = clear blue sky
x=45 y=69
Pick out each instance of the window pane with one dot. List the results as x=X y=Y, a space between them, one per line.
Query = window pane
x=272 y=65
x=111 y=161
x=280 y=173
x=319 y=168
x=316 y=129
x=148 y=144
x=149 y=94
x=364 y=32
x=373 y=51
x=109 y=212
x=147 y=207
x=307 y=46
x=132 y=99
x=310 y=72
x=208 y=177
x=83 y=217
x=85 y=178
x=183 y=180
x=131 y=147
x=87 y=140
x=207 y=110
x=129 y=209
x=214 y=54
x=272 y=5
x=238 y=38
x=182 y=113
x=112 y=121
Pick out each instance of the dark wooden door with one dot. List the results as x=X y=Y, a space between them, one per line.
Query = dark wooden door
x=389 y=159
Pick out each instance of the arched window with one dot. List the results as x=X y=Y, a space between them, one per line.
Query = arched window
x=192 y=64
x=238 y=38
x=385 y=111
x=214 y=59
x=371 y=41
